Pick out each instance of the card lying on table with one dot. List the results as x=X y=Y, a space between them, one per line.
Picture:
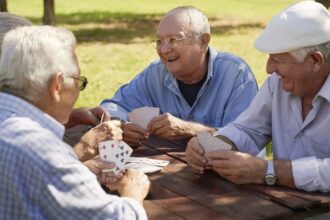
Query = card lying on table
x=115 y=151
x=211 y=143
x=142 y=116
x=146 y=165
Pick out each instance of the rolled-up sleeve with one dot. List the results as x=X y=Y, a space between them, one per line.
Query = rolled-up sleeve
x=311 y=174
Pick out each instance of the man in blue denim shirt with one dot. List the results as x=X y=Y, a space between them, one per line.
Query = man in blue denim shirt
x=196 y=88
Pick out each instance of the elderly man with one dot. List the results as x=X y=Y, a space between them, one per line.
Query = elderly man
x=196 y=88
x=292 y=109
x=41 y=177
x=86 y=146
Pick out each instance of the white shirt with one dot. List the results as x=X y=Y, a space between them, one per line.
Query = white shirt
x=275 y=115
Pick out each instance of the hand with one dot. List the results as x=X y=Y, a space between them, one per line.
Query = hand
x=240 y=168
x=96 y=165
x=134 y=184
x=133 y=134
x=87 y=147
x=87 y=116
x=194 y=155
x=169 y=127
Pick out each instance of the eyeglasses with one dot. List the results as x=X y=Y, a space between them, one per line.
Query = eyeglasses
x=172 y=42
x=82 y=81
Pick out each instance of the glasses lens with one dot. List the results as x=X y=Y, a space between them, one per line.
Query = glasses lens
x=83 y=83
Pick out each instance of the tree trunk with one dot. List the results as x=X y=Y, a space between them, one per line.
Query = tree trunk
x=49 y=13
x=326 y=3
x=3 y=6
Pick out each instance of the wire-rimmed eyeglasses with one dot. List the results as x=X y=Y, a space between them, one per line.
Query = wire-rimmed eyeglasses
x=172 y=42
x=82 y=81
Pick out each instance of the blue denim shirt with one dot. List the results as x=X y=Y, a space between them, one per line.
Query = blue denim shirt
x=228 y=90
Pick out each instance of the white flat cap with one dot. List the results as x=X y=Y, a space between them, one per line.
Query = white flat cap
x=306 y=23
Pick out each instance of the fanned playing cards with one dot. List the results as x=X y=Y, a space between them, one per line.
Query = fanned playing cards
x=142 y=116
x=115 y=151
x=211 y=143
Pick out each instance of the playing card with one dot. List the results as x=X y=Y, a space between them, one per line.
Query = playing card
x=142 y=116
x=148 y=161
x=143 y=167
x=115 y=151
x=211 y=143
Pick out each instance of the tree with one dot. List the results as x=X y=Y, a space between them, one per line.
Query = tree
x=49 y=13
x=3 y=6
x=326 y=3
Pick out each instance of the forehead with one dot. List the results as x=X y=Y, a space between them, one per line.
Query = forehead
x=281 y=56
x=173 y=24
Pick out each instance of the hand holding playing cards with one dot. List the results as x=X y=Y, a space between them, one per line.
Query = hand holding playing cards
x=96 y=165
x=133 y=134
x=240 y=168
x=169 y=127
x=87 y=116
x=195 y=155
x=134 y=184
x=88 y=145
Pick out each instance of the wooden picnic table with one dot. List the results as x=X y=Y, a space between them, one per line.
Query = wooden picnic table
x=179 y=193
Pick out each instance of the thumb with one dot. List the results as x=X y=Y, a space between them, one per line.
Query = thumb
x=104 y=164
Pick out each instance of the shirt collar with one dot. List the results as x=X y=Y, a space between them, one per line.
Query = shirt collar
x=325 y=89
x=22 y=108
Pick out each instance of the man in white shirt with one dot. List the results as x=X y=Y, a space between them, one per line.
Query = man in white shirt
x=292 y=109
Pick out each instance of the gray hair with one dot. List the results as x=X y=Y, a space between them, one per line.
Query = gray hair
x=324 y=48
x=10 y=21
x=32 y=55
x=198 y=21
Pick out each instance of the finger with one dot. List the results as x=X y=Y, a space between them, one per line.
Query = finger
x=219 y=154
x=164 y=131
x=128 y=126
x=221 y=164
x=132 y=141
x=104 y=164
x=158 y=126
x=112 y=123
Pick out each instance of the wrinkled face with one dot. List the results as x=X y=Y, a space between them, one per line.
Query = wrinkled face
x=188 y=55
x=297 y=78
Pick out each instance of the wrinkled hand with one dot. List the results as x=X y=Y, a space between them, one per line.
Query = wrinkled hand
x=96 y=165
x=134 y=184
x=87 y=147
x=240 y=168
x=169 y=127
x=87 y=116
x=195 y=155
x=133 y=134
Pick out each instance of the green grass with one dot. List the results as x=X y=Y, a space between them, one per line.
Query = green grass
x=114 y=36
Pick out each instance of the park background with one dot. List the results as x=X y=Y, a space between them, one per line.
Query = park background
x=114 y=37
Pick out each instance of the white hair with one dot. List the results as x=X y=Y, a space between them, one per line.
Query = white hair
x=10 y=21
x=324 y=48
x=197 y=20
x=32 y=55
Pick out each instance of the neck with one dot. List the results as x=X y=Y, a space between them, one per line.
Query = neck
x=198 y=74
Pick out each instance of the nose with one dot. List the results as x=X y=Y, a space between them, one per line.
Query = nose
x=270 y=66
x=165 y=47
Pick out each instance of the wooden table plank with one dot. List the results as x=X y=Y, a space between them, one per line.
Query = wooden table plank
x=155 y=211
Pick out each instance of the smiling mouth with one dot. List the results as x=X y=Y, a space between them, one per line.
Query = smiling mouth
x=172 y=59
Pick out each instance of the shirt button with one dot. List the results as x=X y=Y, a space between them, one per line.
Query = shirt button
x=189 y=117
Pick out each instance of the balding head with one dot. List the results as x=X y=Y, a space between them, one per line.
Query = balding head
x=189 y=17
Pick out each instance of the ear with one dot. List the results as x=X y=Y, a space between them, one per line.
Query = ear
x=55 y=86
x=318 y=60
x=206 y=37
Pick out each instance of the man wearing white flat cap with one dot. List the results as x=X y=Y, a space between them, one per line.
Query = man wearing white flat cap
x=292 y=109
